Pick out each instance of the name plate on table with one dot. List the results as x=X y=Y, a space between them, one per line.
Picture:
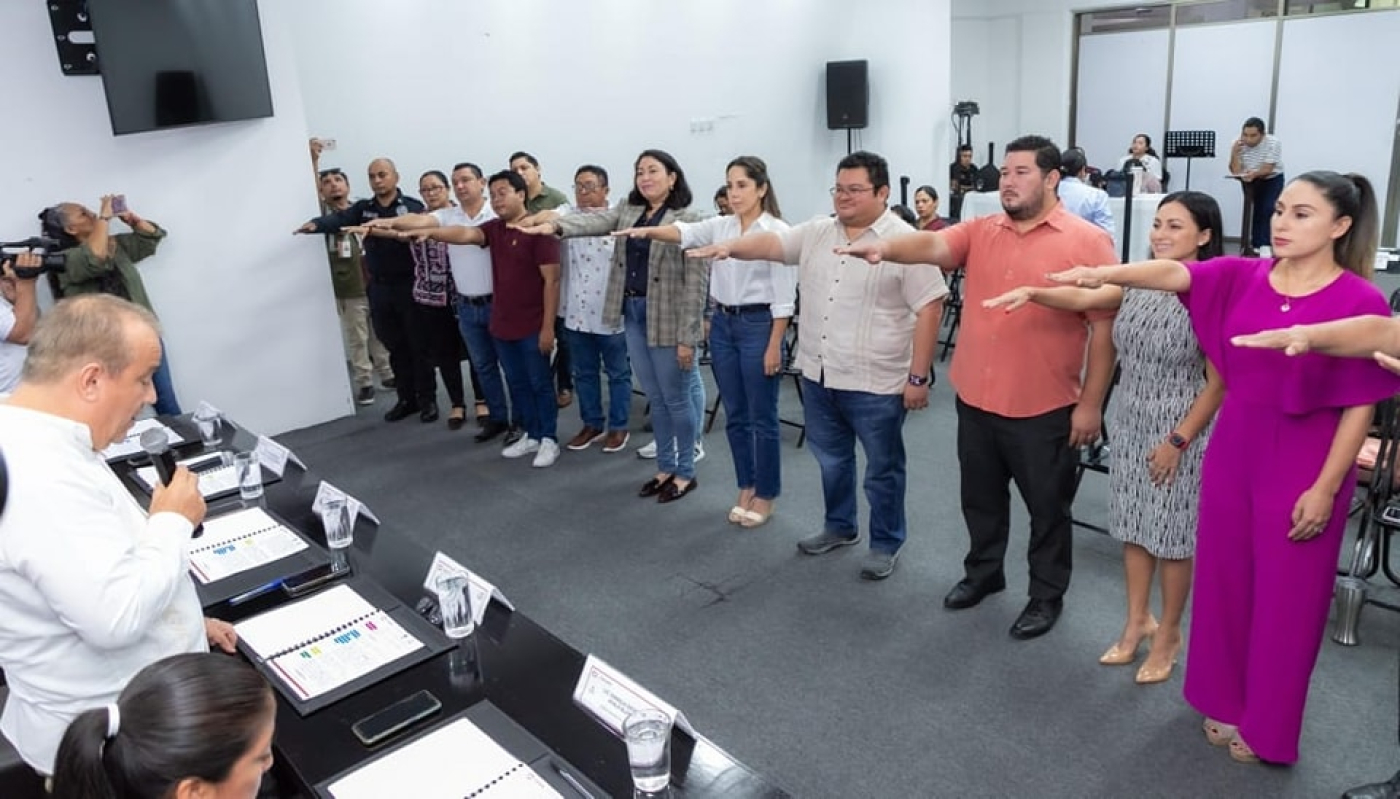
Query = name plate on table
x=611 y=696
x=326 y=491
x=274 y=456
x=482 y=592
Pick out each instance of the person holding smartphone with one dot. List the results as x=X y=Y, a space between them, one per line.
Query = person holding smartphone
x=99 y=261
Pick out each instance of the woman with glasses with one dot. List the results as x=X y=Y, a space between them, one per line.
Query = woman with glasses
x=436 y=339
x=659 y=295
x=753 y=302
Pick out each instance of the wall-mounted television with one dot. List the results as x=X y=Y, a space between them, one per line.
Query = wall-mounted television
x=168 y=63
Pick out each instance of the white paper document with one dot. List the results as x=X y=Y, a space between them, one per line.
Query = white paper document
x=240 y=541
x=214 y=478
x=131 y=445
x=458 y=760
x=326 y=640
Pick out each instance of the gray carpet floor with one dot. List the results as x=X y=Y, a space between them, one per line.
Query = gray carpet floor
x=830 y=685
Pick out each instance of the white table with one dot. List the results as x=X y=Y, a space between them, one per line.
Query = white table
x=985 y=203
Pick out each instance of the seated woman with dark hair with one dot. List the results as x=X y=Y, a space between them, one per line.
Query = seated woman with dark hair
x=187 y=726
x=926 y=209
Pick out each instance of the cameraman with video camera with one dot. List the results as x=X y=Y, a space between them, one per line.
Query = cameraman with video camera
x=96 y=261
x=19 y=311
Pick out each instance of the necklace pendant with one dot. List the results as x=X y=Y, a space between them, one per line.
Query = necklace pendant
x=1285 y=306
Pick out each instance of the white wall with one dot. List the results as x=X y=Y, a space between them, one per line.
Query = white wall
x=598 y=82
x=247 y=309
x=1014 y=58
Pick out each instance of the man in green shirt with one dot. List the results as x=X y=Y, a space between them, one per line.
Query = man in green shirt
x=541 y=197
x=362 y=347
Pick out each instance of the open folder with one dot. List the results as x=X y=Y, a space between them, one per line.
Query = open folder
x=322 y=648
x=456 y=760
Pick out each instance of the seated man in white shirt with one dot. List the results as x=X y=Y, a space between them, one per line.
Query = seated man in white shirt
x=19 y=310
x=1078 y=197
x=92 y=587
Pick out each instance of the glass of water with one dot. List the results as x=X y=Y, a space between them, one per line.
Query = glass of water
x=249 y=472
x=340 y=528
x=454 y=599
x=209 y=425
x=648 y=734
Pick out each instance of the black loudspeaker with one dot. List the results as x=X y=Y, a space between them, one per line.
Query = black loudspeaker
x=847 y=95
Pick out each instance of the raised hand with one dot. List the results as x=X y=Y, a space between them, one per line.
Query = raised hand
x=1292 y=340
x=713 y=252
x=541 y=229
x=1011 y=300
x=1388 y=362
x=633 y=233
x=871 y=251
x=1089 y=277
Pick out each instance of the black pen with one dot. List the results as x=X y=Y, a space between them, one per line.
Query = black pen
x=572 y=780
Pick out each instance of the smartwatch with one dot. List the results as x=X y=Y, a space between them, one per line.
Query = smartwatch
x=918 y=380
x=1178 y=440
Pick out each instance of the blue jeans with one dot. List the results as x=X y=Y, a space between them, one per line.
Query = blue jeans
x=166 y=404
x=697 y=402
x=531 y=381
x=586 y=351
x=1266 y=194
x=474 y=321
x=737 y=344
x=669 y=390
x=835 y=419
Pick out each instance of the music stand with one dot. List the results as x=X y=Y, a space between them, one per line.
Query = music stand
x=1189 y=144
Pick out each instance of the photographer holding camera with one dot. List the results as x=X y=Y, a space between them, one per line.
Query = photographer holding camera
x=18 y=313
x=96 y=261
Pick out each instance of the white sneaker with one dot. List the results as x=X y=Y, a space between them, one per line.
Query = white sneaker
x=648 y=451
x=699 y=452
x=521 y=448
x=547 y=455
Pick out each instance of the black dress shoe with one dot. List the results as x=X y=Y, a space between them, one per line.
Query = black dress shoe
x=653 y=486
x=428 y=413
x=1390 y=789
x=401 y=410
x=670 y=492
x=1037 y=619
x=967 y=594
x=490 y=430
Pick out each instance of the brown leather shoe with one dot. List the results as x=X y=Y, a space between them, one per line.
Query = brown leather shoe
x=616 y=441
x=585 y=438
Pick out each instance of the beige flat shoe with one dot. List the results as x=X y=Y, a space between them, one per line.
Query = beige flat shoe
x=753 y=518
x=736 y=515
x=1240 y=751
x=1218 y=732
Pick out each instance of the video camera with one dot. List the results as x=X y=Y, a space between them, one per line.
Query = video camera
x=49 y=261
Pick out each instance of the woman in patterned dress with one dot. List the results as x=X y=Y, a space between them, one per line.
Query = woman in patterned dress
x=1166 y=398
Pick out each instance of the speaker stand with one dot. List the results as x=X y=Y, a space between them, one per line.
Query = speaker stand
x=850 y=142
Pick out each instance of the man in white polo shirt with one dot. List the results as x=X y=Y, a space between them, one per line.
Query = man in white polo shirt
x=93 y=588
x=471 y=272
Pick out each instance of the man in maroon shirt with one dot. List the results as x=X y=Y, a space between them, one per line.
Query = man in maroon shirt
x=525 y=282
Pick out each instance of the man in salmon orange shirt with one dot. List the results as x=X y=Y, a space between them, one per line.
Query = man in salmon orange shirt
x=1030 y=388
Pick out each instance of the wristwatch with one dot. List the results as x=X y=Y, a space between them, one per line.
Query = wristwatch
x=918 y=380
x=1178 y=440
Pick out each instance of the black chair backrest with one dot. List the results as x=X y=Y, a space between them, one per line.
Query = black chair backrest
x=1395 y=301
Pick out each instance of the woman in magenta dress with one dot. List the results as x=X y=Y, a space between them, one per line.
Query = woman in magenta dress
x=1278 y=473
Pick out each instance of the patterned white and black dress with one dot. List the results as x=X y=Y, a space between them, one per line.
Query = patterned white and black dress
x=1163 y=370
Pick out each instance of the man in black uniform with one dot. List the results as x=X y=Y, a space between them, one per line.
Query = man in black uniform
x=390 y=266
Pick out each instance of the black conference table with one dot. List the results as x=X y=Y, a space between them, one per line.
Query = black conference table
x=511 y=661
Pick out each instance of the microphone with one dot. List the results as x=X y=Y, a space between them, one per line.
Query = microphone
x=157 y=445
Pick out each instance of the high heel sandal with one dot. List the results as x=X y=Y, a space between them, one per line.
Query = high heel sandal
x=1118 y=655
x=1240 y=751
x=1150 y=674
x=1218 y=732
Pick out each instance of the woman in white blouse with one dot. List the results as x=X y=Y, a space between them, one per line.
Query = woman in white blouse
x=1141 y=151
x=753 y=302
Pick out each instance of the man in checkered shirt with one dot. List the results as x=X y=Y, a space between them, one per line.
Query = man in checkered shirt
x=1256 y=158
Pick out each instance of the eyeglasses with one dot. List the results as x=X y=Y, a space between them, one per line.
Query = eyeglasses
x=846 y=191
x=434 y=189
x=587 y=186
